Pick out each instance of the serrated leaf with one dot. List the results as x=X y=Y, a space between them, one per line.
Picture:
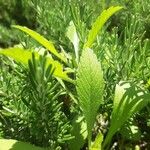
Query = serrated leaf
x=22 y=56
x=129 y=99
x=43 y=41
x=90 y=85
x=16 y=145
x=98 y=24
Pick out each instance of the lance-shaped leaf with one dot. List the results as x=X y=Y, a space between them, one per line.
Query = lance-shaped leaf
x=18 y=54
x=73 y=37
x=16 y=145
x=43 y=41
x=22 y=56
x=129 y=99
x=98 y=24
x=90 y=85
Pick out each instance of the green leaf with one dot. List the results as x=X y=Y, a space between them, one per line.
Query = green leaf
x=79 y=131
x=98 y=24
x=47 y=44
x=90 y=85
x=16 y=145
x=97 y=143
x=73 y=37
x=22 y=56
x=18 y=54
x=129 y=99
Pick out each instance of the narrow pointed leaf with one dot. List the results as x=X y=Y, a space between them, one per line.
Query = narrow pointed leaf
x=98 y=24
x=43 y=41
x=73 y=37
x=90 y=87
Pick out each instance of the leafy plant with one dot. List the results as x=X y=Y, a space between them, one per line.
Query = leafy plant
x=51 y=123
x=38 y=107
x=22 y=56
x=90 y=82
x=128 y=100
x=42 y=106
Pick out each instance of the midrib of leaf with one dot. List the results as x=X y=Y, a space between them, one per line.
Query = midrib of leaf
x=89 y=87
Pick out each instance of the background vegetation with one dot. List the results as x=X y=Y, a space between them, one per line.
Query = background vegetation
x=45 y=116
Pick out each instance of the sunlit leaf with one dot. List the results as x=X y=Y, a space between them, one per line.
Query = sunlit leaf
x=73 y=37
x=129 y=99
x=22 y=56
x=16 y=145
x=47 y=44
x=98 y=24
x=97 y=143
x=18 y=54
x=90 y=87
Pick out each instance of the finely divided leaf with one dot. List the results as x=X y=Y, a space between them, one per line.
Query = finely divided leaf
x=98 y=24
x=47 y=44
x=22 y=56
x=16 y=145
x=129 y=99
x=90 y=85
